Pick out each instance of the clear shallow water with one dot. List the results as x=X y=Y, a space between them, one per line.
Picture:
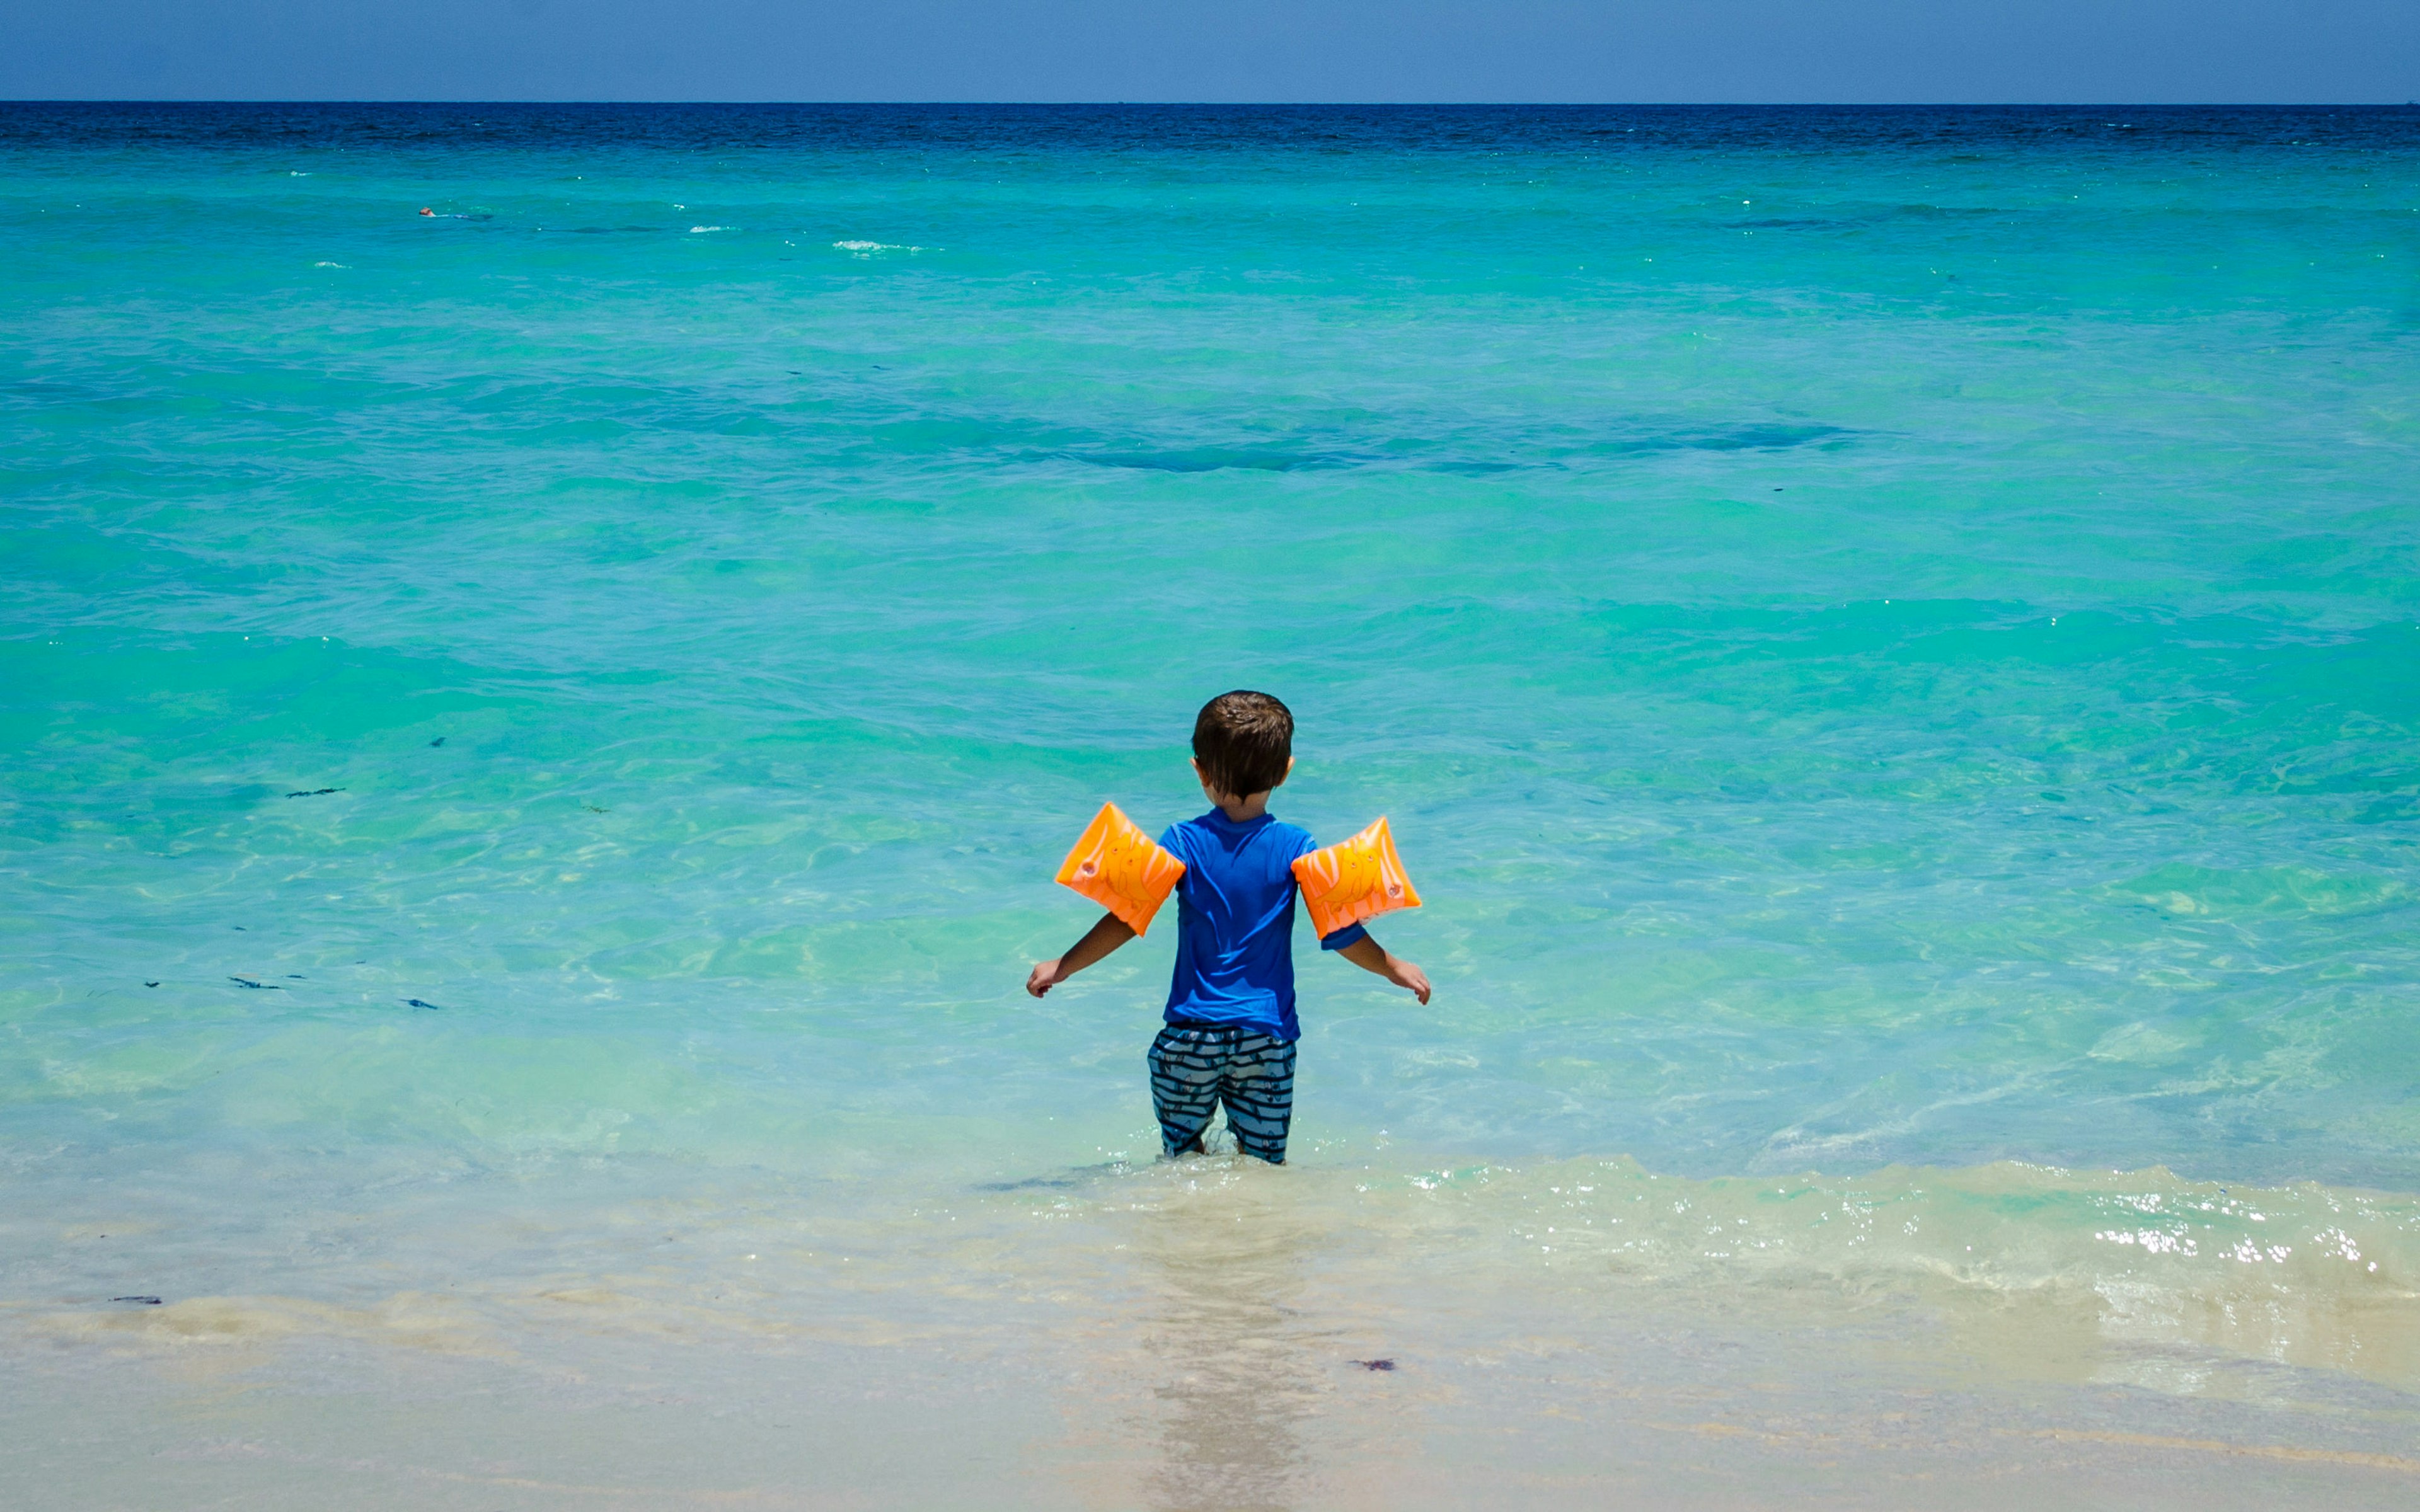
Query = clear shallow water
x=1887 y=639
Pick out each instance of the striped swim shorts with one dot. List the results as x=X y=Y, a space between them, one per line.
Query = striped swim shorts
x=1195 y=1067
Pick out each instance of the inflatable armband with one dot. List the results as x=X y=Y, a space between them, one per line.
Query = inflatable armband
x=1353 y=879
x=1121 y=868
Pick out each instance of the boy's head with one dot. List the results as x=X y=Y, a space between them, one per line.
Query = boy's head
x=1243 y=743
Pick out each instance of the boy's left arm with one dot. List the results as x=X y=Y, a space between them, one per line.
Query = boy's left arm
x=1370 y=956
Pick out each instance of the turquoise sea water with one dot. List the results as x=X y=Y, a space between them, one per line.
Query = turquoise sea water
x=1889 y=641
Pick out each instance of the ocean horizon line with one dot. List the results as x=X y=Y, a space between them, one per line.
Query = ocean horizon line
x=1247 y=104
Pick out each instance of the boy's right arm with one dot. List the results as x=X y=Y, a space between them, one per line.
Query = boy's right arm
x=1370 y=955
x=1103 y=937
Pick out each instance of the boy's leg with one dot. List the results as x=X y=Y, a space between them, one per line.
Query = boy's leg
x=1258 y=1090
x=1185 y=1065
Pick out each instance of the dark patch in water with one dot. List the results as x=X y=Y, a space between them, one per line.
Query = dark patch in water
x=313 y=793
x=1079 y=1176
x=150 y=984
x=1765 y=437
x=415 y=1002
x=1372 y=1364
x=146 y=1301
x=1206 y=459
x=1736 y=438
x=256 y=986
x=439 y=741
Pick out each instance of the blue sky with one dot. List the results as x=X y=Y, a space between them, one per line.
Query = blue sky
x=2144 y=51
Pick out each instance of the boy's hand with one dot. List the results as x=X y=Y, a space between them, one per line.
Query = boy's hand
x=1045 y=976
x=1408 y=975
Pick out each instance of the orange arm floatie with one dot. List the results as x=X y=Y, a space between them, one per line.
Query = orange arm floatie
x=1353 y=879
x=1121 y=868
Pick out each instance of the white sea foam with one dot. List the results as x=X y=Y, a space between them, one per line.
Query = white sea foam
x=867 y=249
x=332 y=264
x=700 y=230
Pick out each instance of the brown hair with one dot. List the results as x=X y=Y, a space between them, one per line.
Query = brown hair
x=1244 y=741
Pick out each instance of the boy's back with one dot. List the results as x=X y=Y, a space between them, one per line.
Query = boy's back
x=1235 y=922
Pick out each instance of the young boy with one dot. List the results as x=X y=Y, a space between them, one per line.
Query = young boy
x=1231 y=1025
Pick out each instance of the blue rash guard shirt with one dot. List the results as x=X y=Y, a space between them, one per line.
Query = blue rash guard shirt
x=1234 y=923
